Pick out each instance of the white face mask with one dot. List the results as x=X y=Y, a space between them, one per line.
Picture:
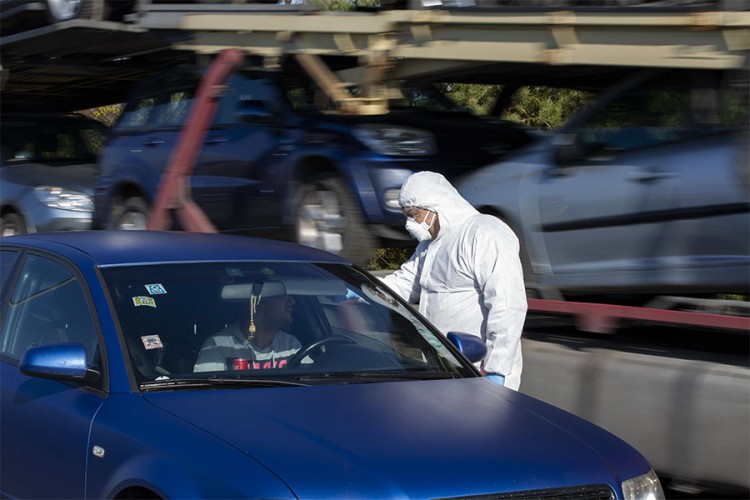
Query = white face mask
x=420 y=231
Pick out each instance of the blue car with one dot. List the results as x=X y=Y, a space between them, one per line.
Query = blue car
x=104 y=394
x=277 y=163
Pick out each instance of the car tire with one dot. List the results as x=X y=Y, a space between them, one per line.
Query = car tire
x=12 y=224
x=130 y=215
x=328 y=217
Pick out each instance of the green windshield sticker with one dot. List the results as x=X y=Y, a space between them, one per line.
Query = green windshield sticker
x=144 y=301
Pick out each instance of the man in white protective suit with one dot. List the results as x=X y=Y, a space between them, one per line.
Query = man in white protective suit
x=465 y=272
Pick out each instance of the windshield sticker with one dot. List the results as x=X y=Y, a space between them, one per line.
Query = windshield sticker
x=144 y=301
x=155 y=289
x=152 y=342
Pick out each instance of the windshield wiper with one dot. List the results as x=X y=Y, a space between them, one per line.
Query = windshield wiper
x=256 y=382
x=193 y=383
x=378 y=376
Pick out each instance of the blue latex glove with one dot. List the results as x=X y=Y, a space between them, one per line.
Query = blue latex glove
x=496 y=378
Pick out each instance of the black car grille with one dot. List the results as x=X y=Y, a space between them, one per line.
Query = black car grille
x=595 y=492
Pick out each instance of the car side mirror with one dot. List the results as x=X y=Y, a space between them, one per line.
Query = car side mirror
x=566 y=150
x=470 y=345
x=255 y=111
x=569 y=149
x=65 y=361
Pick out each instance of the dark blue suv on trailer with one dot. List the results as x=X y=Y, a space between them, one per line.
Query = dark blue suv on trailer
x=277 y=163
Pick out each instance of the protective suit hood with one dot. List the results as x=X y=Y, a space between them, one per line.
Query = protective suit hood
x=432 y=191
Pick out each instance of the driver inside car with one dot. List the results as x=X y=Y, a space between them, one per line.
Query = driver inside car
x=259 y=342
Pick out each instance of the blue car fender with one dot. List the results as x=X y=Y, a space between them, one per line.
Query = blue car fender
x=136 y=445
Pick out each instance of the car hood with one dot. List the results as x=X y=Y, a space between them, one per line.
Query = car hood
x=76 y=176
x=461 y=138
x=437 y=438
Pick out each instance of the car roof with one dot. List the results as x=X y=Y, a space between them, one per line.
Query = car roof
x=111 y=247
x=48 y=116
x=69 y=119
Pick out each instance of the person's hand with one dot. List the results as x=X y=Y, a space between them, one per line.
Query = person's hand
x=496 y=378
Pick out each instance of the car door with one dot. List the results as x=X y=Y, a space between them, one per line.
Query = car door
x=45 y=423
x=607 y=204
x=139 y=146
x=709 y=227
x=240 y=151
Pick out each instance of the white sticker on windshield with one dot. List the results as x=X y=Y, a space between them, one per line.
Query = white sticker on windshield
x=152 y=342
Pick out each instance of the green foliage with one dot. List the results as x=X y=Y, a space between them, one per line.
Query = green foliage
x=335 y=5
x=388 y=258
x=545 y=108
x=479 y=98
x=343 y=5
x=106 y=114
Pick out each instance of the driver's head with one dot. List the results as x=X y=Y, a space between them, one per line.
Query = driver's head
x=275 y=313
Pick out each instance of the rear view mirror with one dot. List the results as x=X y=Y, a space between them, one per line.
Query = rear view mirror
x=294 y=285
x=569 y=149
x=244 y=291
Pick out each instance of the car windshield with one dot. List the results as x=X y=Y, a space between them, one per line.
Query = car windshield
x=235 y=324
x=51 y=141
x=427 y=97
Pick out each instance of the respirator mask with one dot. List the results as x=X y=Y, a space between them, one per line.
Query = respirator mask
x=420 y=231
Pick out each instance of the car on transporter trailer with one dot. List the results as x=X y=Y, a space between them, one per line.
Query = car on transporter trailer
x=277 y=162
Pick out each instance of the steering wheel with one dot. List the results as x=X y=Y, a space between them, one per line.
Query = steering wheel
x=295 y=360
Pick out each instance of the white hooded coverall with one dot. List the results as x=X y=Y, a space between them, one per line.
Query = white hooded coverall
x=469 y=278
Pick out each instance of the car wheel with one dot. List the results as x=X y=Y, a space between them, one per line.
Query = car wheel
x=329 y=218
x=12 y=223
x=131 y=215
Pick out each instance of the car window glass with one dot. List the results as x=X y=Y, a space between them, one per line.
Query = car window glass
x=175 y=99
x=665 y=110
x=182 y=321
x=47 y=306
x=242 y=86
x=137 y=113
x=731 y=98
x=7 y=259
x=52 y=140
x=429 y=97
x=175 y=108
x=644 y=117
